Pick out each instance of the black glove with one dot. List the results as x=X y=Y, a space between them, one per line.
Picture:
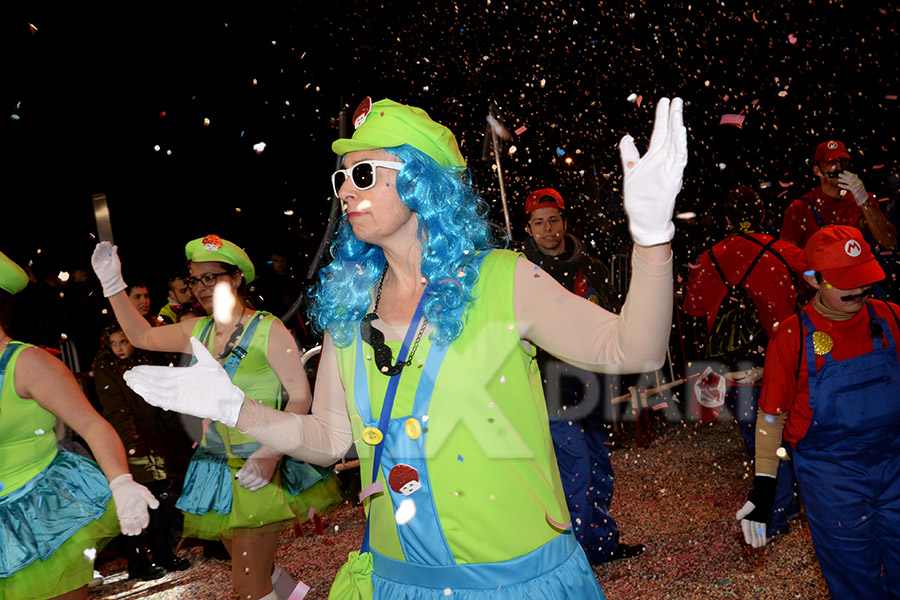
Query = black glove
x=754 y=514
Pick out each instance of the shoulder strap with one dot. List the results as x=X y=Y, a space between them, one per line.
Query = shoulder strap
x=815 y=211
x=238 y=353
x=11 y=348
x=765 y=248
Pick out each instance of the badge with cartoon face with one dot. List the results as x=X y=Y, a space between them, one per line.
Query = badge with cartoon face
x=361 y=112
x=404 y=479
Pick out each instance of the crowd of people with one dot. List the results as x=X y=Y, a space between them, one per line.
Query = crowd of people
x=466 y=376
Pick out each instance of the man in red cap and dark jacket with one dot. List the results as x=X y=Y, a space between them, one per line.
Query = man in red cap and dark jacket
x=579 y=435
x=840 y=199
x=832 y=387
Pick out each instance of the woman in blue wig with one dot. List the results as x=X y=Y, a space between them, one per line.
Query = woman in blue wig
x=56 y=508
x=235 y=488
x=428 y=363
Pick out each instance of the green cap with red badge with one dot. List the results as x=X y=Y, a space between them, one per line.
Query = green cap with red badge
x=13 y=278
x=212 y=248
x=386 y=124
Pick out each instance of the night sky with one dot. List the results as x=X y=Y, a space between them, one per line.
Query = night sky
x=90 y=93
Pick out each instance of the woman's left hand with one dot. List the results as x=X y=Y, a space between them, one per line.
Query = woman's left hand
x=259 y=469
x=203 y=390
x=653 y=181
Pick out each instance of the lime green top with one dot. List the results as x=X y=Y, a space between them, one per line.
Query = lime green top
x=27 y=437
x=254 y=376
x=490 y=456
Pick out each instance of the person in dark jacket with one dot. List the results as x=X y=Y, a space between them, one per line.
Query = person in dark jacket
x=580 y=438
x=152 y=439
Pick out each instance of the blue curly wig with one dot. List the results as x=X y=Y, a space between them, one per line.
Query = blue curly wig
x=453 y=226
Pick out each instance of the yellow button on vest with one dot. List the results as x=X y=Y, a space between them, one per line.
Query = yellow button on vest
x=372 y=436
x=413 y=429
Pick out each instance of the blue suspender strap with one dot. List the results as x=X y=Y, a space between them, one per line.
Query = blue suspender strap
x=11 y=348
x=810 y=356
x=815 y=212
x=389 y=398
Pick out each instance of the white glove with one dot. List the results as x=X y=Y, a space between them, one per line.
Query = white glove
x=105 y=261
x=754 y=532
x=850 y=182
x=653 y=181
x=203 y=390
x=132 y=501
x=258 y=469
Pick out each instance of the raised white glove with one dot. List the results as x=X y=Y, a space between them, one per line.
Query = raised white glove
x=754 y=531
x=653 y=181
x=108 y=268
x=132 y=501
x=259 y=468
x=850 y=182
x=203 y=390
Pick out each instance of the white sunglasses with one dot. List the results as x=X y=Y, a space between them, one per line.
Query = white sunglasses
x=362 y=174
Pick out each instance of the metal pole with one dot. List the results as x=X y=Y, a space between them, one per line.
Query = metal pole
x=496 y=146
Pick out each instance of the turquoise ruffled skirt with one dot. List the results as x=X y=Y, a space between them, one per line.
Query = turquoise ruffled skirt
x=216 y=505
x=49 y=527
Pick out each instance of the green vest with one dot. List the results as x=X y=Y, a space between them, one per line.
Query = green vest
x=27 y=437
x=255 y=378
x=490 y=457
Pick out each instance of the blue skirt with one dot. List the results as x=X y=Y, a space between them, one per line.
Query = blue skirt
x=39 y=517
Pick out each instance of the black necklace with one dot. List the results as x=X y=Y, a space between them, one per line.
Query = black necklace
x=235 y=335
x=375 y=338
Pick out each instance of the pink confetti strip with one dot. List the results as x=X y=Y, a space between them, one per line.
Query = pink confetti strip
x=312 y=511
x=736 y=120
x=521 y=130
x=371 y=489
x=638 y=101
x=792 y=38
x=557 y=524
x=299 y=592
x=660 y=405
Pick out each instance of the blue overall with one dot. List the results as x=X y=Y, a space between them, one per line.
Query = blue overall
x=848 y=467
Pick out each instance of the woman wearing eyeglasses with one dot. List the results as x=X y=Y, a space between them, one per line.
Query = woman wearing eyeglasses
x=423 y=317
x=235 y=488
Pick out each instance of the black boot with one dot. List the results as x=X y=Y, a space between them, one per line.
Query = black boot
x=164 y=557
x=140 y=567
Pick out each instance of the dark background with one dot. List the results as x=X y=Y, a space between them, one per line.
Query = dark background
x=92 y=90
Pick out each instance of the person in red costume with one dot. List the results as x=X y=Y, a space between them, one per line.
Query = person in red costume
x=832 y=387
x=840 y=199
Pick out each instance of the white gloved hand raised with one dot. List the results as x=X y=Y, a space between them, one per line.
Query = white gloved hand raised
x=132 y=503
x=850 y=182
x=258 y=469
x=108 y=268
x=653 y=181
x=203 y=390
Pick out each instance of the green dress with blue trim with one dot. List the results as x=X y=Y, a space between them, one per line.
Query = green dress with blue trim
x=54 y=506
x=490 y=514
x=213 y=502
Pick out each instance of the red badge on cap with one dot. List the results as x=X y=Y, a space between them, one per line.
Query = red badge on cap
x=362 y=111
x=212 y=243
x=832 y=145
x=852 y=248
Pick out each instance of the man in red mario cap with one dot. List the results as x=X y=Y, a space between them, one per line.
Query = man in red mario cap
x=832 y=387
x=579 y=436
x=840 y=199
